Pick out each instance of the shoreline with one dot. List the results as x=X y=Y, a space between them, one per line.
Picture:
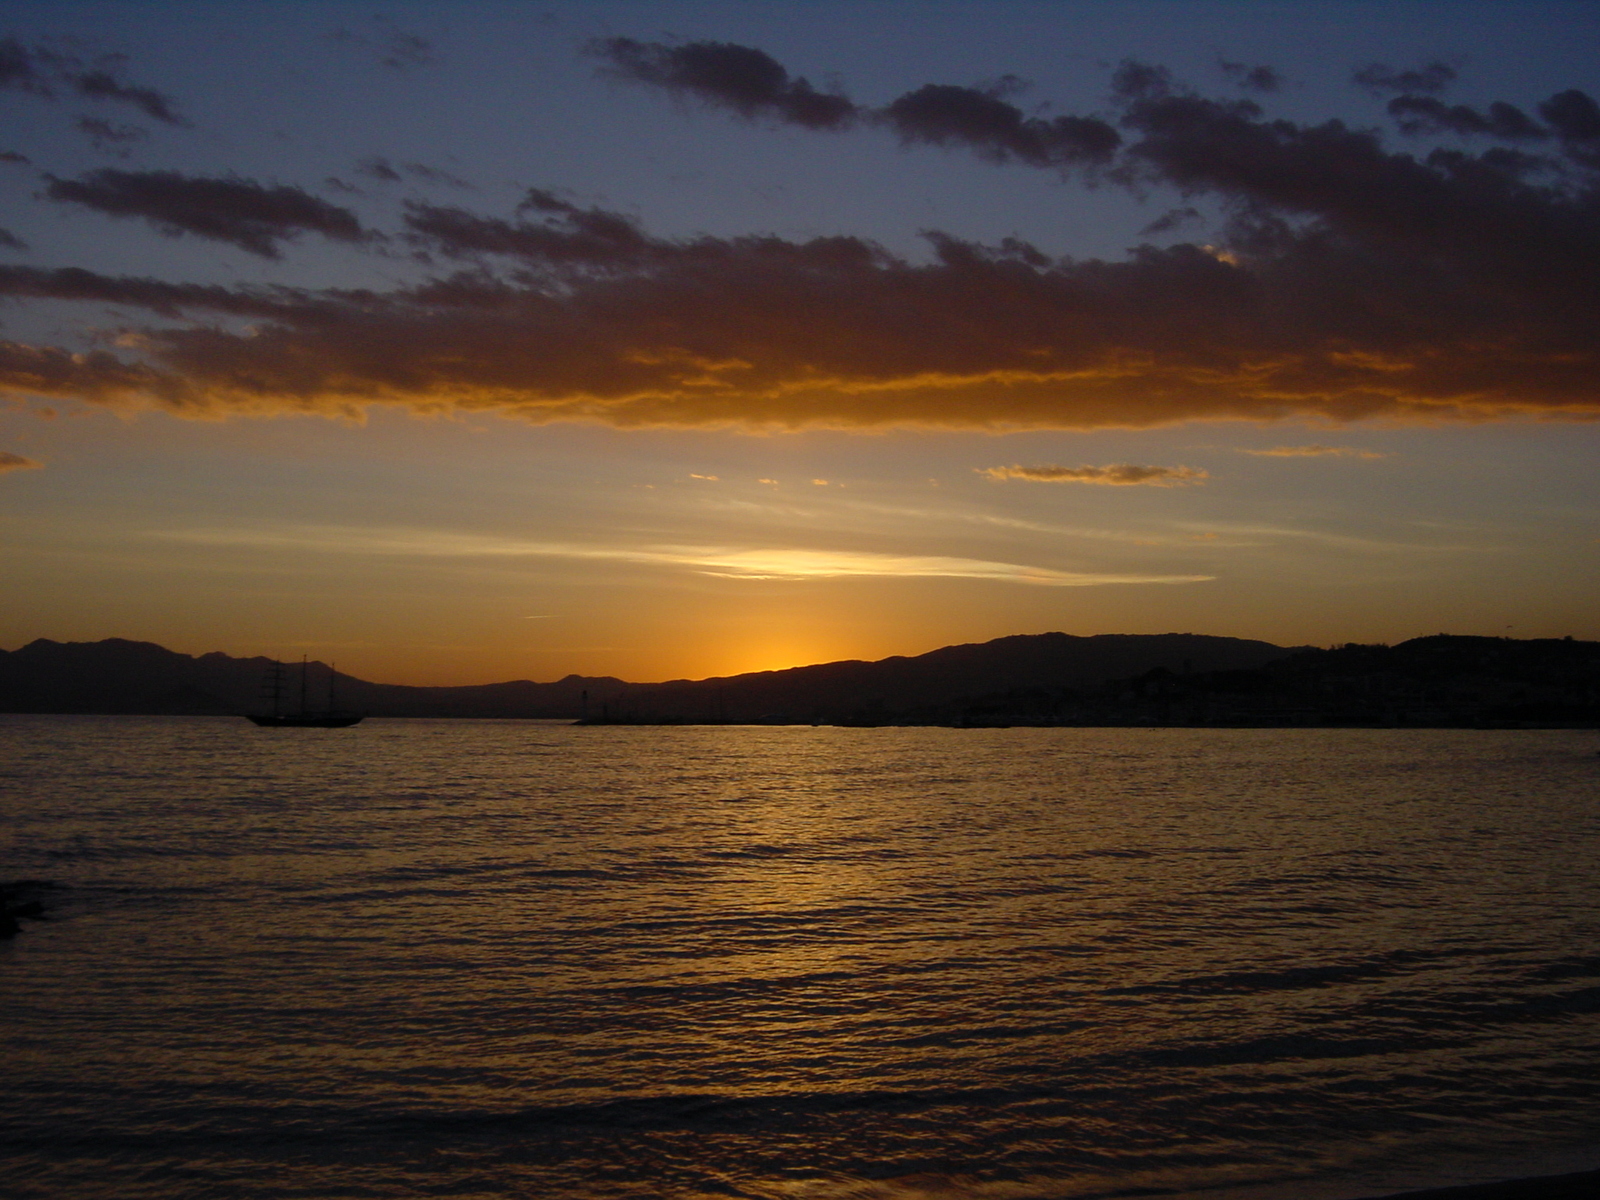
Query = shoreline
x=1580 y=1185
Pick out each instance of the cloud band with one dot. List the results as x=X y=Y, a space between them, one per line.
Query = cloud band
x=732 y=563
x=1117 y=475
x=1354 y=281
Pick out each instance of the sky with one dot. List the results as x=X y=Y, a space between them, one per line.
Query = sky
x=462 y=342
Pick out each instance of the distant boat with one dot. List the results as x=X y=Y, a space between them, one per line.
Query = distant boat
x=272 y=689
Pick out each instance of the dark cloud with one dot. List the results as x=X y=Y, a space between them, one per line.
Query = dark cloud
x=750 y=82
x=434 y=175
x=1434 y=77
x=1172 y=219
x=102 y=85
x=393 y=47
x=386 y=172
x=41 y=71
x=378 y=168
x=103 y=135
x=1427 y=114
x=23 y=68
x=1351 y=280
x=1116 y=475
x=11 y=241
x=1491 y=223
x=11 y=156
x=402 y=49
x=590 y=318
x=167 y=299
x=563 y=236
x=17 y=462
x=1257 y=79
x=1576 y=120
x=754 y=84
x=97 y=377
x=252 y=216
x=997 y=129
x=1574 y=115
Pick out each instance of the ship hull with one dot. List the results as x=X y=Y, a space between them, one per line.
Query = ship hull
x=324 y=722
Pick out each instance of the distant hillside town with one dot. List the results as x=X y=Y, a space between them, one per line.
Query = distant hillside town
x=1048 y=679
x=1441 y=681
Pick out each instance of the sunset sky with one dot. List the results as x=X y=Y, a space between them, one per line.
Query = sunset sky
x=466 y=342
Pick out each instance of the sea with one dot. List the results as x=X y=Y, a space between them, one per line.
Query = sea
x=489 y=959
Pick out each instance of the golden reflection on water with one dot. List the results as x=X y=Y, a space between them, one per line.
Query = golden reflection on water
x=802 y=962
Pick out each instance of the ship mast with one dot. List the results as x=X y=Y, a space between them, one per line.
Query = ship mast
x=272 y=686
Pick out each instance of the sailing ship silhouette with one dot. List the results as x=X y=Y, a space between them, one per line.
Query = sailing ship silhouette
x=272 y=689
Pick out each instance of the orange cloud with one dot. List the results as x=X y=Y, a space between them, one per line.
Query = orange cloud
x=1355 y=281
x=834 y=333
x=830 y=334
x=1117 y=475
x=1316 y=452
x=774 y=563
x=17 y=462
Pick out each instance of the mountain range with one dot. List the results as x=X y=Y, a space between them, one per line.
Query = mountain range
x=1032 y=679
x=120 y=676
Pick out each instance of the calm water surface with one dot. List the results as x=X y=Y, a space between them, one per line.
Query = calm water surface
x=495 y=959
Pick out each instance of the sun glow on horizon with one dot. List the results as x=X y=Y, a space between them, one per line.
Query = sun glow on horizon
x=640 y=375
x=771 y=654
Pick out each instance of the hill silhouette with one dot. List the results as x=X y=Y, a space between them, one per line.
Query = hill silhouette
x=888 y=689
x=1438 y=681
x=1031 y=679
x=120 y=676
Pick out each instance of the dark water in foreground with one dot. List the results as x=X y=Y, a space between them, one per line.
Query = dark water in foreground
x=495 y=959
